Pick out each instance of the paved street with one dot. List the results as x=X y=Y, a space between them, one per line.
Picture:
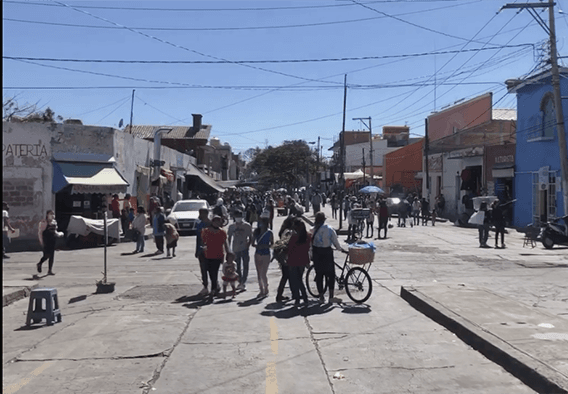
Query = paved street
x=154 y=334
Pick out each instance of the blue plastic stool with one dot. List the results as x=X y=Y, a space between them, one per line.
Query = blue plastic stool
x=36 y=311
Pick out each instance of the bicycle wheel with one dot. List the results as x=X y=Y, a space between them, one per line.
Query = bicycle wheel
x=311 y=282
x=358 y=285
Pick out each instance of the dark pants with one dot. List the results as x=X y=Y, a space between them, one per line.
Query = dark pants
x=317 y=208
x=500 y=230
x=159 y=239
x=483 y=234
x=203 y=267
x=324 y=266
x=383 y=225
x=296 y=284
x=283 y=280
x=425 y=217
x=48 y=253
x=213 y=270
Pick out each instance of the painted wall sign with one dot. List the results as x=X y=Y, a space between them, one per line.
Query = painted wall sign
x=505 y=159
x=24 y=150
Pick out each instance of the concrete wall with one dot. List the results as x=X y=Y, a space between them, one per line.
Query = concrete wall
x=460 y=116
x=27 y=174
x=354 y=154
x=402 y=165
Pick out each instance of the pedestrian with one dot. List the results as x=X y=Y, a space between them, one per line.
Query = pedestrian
x=221 y=210
x=240 y=240
x=230 y=275
x=215 y=245
x=498 y=217
x=263 y=239
x=139 y=227
x=281 y=255
x=370 y=219
x=6 y=226
x=334 y=206
x=298 y=259
x=433 y=217
x=402 y=213
x=323 y=237
x=483 y=228
x=352 y=224
x=270 y=208
x=48 y=234
x=425 y=206
x=159 y=229
x=383 y=219
x=416 y=211
x=115 y=206
x=172 y=237
x=316 y=202
x=203 y=222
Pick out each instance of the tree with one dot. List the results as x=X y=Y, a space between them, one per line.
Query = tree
x=286 y=165
x=12 y=110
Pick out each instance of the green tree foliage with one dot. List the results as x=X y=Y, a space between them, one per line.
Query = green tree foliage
x=283 y=165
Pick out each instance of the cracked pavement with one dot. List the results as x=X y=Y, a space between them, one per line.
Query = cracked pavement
x=153 y=334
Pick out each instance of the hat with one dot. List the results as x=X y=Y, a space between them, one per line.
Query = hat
x=238 y=213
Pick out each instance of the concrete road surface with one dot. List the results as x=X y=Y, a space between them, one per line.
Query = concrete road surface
x=155 y=334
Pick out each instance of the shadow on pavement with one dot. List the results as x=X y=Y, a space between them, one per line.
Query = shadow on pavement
x=78 y=298
x=312 y=309
x=356 y=309
x=252 y=301
x=191 y=298
x=36 y=277
x=30 y=328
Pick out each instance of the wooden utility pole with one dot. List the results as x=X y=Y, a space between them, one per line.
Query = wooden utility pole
x=369 y=126
x=426 y=148
x=342 y=153
x=551 y=30
x=131 y=110
x=363 y=166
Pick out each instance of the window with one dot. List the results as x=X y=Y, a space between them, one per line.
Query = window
x=548 y=115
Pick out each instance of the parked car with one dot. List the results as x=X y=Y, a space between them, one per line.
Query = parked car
x=184 y=214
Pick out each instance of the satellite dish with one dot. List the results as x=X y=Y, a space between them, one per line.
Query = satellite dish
x=120 y=123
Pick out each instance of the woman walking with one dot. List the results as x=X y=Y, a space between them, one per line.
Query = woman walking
x=48 y=234
x=298 y=260
x=281 y=255
x=139 y=226
x=263 y=239
x=215 y=244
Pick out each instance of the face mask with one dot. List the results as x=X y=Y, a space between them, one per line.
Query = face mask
x=50 y=217
x=239 y=220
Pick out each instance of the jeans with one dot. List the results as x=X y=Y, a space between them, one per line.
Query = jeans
x=500 y=230
x=213 y=270
x=159 y=242
x=243 y=256
x=324 y=266
x=285 y=277
x=296 y=284
x=140 y=242
x=203 y=268
x=483 y=234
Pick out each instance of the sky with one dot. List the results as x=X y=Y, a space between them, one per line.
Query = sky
x=263 y=72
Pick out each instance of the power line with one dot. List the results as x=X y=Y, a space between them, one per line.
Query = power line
x=232 y=28
x=222 y=9
x=340 y=59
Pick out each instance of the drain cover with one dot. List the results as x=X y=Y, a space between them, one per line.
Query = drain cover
x=161 y=292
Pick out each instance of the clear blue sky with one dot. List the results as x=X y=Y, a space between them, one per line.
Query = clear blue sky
x=254 y=104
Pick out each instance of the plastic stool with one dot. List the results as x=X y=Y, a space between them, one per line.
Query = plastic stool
x=36 y=312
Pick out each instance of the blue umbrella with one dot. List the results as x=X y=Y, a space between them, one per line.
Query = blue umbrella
x=371 y=189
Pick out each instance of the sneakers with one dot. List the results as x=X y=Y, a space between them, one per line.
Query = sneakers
x=335 y=300
x=38 y=265
x=321 y=299
x=203 y=291
x=51 y=273
x=135 y=252
x=241 y=286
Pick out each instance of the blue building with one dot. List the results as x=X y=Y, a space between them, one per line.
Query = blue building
x=537 y=180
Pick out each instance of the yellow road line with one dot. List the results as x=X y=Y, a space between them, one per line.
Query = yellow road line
x=271 y=381
x=17 y=386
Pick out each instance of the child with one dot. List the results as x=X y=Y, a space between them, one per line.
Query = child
x=230 y=276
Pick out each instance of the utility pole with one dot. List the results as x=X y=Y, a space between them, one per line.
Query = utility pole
x=318 y=176
x=370 y=143
x=426 y=148
x=551 y=30
x=342 y=153
x=131 y=110
x=363 y=166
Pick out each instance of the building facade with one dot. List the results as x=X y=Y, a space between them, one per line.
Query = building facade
x=537 y=170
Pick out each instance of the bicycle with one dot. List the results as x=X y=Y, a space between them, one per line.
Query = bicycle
x=356 y=280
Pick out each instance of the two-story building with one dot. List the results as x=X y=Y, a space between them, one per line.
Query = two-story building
x=537 y=170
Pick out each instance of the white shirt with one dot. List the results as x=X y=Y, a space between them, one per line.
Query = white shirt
x=325 y=237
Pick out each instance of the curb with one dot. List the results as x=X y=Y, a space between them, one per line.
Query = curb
x=540 y=378
x=16 y=295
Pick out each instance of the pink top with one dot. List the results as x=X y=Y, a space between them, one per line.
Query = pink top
x=298 y=254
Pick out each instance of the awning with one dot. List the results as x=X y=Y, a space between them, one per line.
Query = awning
x=503 y=170
x=88 y=178
x=206 y=182
x=168 y=174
